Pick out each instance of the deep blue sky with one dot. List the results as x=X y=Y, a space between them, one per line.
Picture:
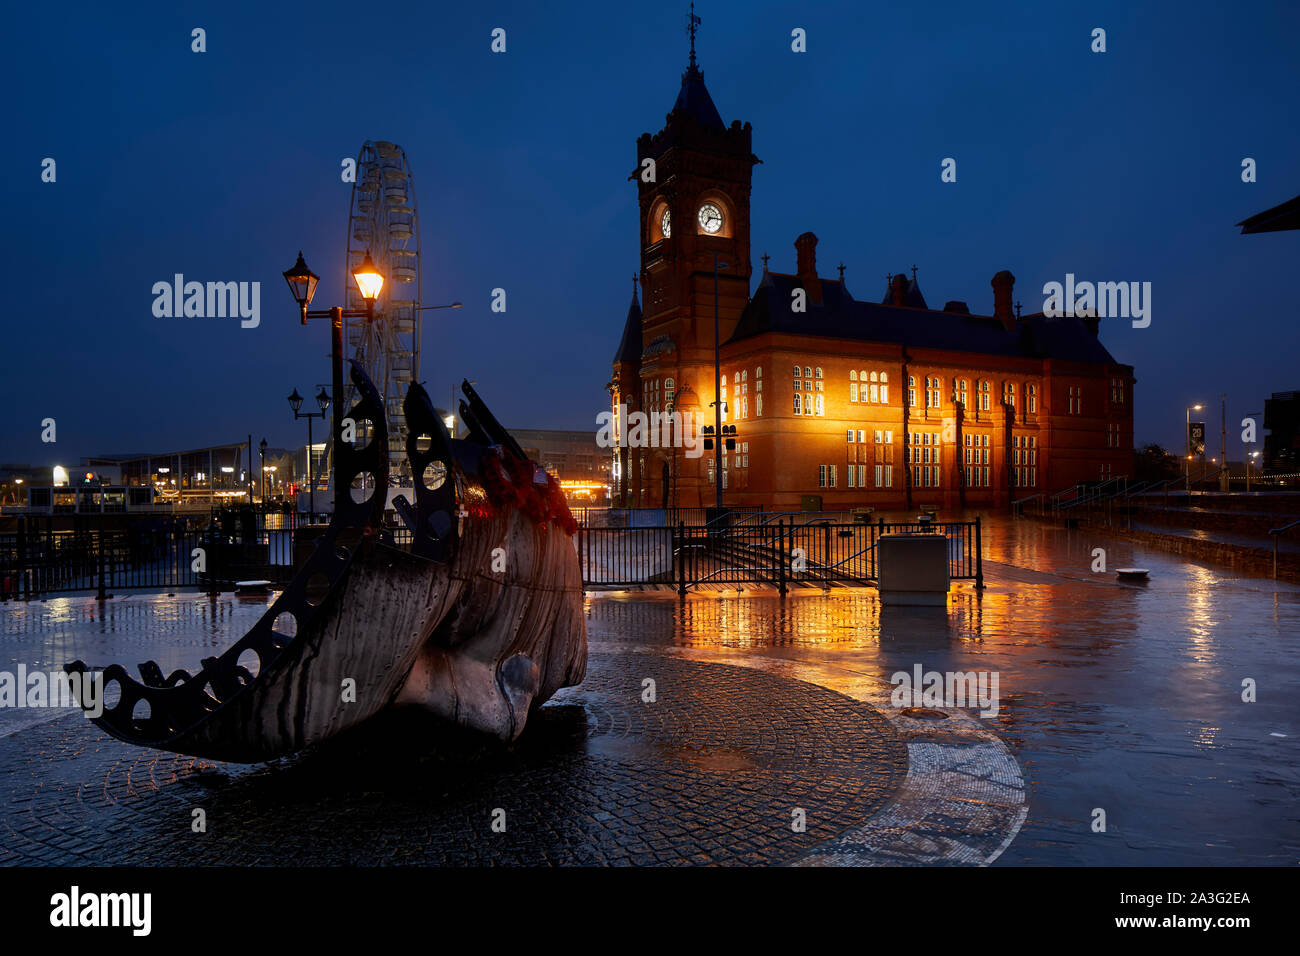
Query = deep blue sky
x=221 y=165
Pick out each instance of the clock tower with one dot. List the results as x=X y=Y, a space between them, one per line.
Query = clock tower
x=693 y=183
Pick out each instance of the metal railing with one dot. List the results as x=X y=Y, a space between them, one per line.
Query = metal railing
x=1277 y=533
x=817 y=551
x=36 y=562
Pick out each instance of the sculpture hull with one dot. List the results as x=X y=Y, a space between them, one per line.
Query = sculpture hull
x=477 y=619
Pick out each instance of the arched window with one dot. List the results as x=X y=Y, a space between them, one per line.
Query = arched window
x=1010 y=396
x=819 y=371
x=1031 y=399
x=933 y=395
x=821 y=406
x=884 y=388
x=670 y=389
x=984 y=397
x=875 y=377
x=807 y=372
x=853 y=375
x=853 y=385
x=911 y=391
x=961 y=392
x=807 y=403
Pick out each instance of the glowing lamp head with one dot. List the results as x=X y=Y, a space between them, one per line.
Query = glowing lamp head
x=368 y=279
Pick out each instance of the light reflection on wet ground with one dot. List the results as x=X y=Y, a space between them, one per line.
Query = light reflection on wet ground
x=1114 y=696
x=1124 y=697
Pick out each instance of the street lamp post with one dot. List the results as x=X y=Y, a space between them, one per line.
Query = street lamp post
x=717 y=390
x=302 y=285
x=261 y=469
x=1250 y=453
x=419 y=342
x=1187 y=438
x=323 y=401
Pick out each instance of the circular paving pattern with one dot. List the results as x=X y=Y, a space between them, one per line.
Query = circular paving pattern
x=710 y=772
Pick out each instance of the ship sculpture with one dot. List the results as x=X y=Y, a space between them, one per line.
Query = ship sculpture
x=477 y=618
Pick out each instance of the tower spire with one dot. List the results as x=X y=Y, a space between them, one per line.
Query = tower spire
x=691 y=24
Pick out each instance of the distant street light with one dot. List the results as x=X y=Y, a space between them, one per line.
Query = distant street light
x=295 y=402
x=1188 y=438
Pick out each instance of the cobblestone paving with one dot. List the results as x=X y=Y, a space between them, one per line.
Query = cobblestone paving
x=708 y=773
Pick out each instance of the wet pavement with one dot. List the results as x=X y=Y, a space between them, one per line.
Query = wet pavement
x=1114 y=697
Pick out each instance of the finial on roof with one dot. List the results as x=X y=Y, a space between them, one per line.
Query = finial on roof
x=691 y=24
x=889 y=279
x=914 y=272
x=841 y=268
x=1017 y=310
x=765 y=258
x=634 y=282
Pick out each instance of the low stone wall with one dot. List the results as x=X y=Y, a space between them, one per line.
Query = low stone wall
x=1257 y=562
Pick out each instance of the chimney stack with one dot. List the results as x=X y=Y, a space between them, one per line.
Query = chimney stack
x=898 y=290
x=1002 y=284
x=806 y=259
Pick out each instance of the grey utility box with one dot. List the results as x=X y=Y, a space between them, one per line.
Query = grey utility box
x=913 y=569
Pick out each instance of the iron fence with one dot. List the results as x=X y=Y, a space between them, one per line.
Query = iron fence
x=38 y=562
x=817 y=552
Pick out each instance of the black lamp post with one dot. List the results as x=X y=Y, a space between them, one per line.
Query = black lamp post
x=261 y=470
x=302 y=284
x=717 y=390
x=295 y=402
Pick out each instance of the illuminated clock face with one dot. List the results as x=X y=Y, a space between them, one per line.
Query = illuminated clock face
x=710 y=218
x=666 y=223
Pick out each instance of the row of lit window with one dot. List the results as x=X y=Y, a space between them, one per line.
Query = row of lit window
x=884 y=474
x=740 y=383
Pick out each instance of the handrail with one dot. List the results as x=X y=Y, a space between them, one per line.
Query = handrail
x=1277 y=533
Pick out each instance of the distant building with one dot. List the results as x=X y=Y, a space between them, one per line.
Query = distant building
x=838 y=401
x=570 y=455
x=213 y=471
x=1282 y=443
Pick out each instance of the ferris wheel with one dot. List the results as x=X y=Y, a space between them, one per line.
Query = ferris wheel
x=383 y=222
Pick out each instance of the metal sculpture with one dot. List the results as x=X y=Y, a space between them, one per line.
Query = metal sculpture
x=477 y=618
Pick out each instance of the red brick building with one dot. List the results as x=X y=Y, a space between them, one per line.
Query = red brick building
x=840 y=402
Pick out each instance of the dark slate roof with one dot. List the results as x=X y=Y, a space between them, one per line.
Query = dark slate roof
x=914 y=298
x=1281 y=217
x=629 y=347
x=694 y=100
x=839 y=315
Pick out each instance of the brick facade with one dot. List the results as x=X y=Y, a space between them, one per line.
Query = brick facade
x=944 y=408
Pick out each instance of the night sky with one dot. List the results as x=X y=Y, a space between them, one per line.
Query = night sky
x=221 y=165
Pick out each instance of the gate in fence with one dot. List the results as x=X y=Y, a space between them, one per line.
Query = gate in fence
x=778 y=553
